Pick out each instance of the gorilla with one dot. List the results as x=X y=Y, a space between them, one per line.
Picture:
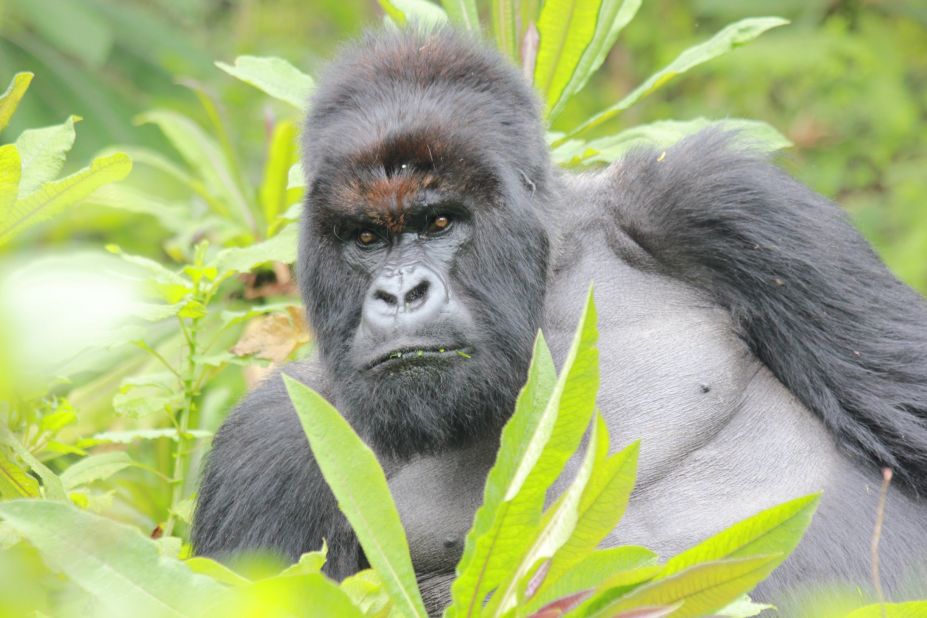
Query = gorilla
x=749 y=336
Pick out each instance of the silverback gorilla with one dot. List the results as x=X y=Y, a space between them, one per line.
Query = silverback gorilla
x=749 y=336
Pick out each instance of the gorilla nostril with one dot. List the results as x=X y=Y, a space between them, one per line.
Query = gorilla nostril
x=416 y=293
x=386 y=297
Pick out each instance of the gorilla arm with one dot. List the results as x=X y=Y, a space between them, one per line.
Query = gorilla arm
x=262 y=490
x=805 y=292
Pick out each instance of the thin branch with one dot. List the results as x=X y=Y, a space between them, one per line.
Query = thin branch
x=877 y=535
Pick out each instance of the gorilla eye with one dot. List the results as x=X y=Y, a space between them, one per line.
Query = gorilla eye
x=439 y=224
x=366 y=238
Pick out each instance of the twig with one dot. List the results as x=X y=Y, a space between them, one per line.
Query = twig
x=877 y=535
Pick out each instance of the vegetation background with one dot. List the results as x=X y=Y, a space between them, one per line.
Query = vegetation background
x=82 y=380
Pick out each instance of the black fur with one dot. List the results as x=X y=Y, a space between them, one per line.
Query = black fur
x=806 y=292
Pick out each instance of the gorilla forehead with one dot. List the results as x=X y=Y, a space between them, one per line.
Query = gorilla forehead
x=439 y=93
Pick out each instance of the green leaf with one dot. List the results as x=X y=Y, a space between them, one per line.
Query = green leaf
x=566 y=28
x=463 y=13
x=295 y=178
x=134 y=435
x=282 y=155
x=95 y=468
x=216 y=571
x=203 y=154
x=774 y=531
x=751 y=134
x=365 y=590
x=503 y=27
x=275 y=76
x=358 y=482
x=51 y=484
x=420 y=12
x=614 y=15
x=11 y=97
x=309 y=562
x=42 y=152
x=595 y=568
x=911 y=609
x=114 y=563
x=280 y=248
x=699 y=590
x=54 y=197
x=541 y=436
x=728 y=39
x=301 y=595
x=10 y=174
x=558 y=525
x=15 y=482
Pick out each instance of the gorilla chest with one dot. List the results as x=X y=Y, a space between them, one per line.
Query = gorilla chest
x=672 y=374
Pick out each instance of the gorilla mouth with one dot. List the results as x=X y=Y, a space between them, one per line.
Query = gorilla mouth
x=418 y=355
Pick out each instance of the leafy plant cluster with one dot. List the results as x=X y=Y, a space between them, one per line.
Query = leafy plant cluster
x=223 y=304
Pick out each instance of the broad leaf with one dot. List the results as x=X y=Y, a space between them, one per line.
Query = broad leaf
x=358 y=482
x=566 y=28
x=698 y=590
x=275 y=76
x=614 y=15
x=42 y=152
x=541 y=436
x=557 y=527
x=728 y=39
x=594 y=569
x=774 y=531
x=113 y=562
x=280 y=158
x=11 y=97
x=95 y=468
x=310 y=594
x=10 y=174
x=911 y=609
x=280 y=248
x=309 y=562
x=16 y=482
x=54 y=197
x=752 y=134
x=216 y=571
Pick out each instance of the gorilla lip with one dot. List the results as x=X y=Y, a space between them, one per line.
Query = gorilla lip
x=411 y=354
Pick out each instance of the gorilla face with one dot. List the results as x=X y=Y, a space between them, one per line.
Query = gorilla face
x=425 y=300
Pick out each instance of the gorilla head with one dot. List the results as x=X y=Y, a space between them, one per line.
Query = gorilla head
x=422 y=261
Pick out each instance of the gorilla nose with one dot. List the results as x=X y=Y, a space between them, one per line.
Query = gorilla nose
x=407 y=298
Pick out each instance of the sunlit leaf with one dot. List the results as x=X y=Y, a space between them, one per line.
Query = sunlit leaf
x=275 y=76
x=11 y=97
x=503 y=27
x=911 y=609
x=280 y=248
x=54 y=197
x=14 y=481
x=566 y=28
x=10 y=174
x=614 y=15
x=358 y=482
x=728 y=39
x=774 y=531
x=280 y=159
x=115 y=563
x=133 y=435
x=216 y=571
x=698 y=590
x=42 y=152
x=541 y=436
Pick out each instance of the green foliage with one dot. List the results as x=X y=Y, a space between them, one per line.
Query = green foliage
x=204 y=226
